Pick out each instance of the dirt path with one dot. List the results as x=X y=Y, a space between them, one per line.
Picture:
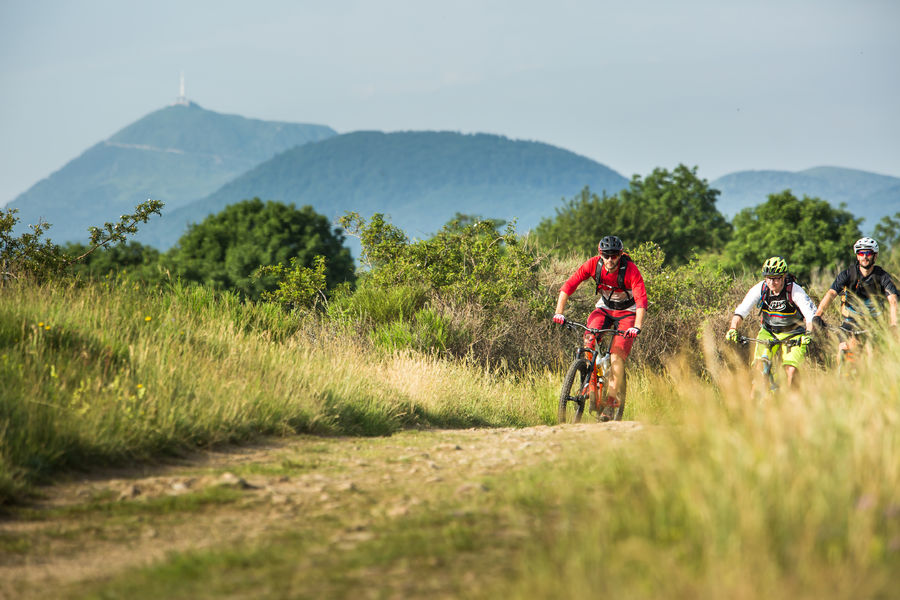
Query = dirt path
x=94 y=528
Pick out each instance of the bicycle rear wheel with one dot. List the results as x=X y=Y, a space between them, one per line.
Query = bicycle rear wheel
x=574 y=392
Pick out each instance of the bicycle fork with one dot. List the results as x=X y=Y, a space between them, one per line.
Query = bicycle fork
x=767 y=372
x=596 y=380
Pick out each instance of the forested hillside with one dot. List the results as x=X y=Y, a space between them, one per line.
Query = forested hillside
x=420 y=179
x=176 y=155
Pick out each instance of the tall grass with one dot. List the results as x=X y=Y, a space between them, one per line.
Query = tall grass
x=789 y=496
x=105 y=373
x=794 y=496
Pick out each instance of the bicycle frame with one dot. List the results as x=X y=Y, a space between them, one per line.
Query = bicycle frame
x=788 y=341
x=597 y=361
x=845 y=354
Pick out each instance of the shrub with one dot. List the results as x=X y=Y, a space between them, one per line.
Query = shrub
x=32 y=255
x=456 y=293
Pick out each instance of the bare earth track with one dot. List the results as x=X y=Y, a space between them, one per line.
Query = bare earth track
x=91 y=529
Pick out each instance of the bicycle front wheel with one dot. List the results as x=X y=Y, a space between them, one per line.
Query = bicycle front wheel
x=574 y=392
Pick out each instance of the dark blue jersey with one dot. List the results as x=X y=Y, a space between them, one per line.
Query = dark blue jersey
x=864 y=295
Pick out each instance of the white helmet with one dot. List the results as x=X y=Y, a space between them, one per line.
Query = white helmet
x=866 y=243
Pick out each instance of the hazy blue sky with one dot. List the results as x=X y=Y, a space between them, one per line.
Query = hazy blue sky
x=726 y=85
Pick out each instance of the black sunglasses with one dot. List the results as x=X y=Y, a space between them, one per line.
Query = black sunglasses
x=610 y=254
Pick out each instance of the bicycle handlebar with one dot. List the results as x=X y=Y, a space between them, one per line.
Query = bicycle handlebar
x=840 y=329
x=573 y=324
x=788 y=341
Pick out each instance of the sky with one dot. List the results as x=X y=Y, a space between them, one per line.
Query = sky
x=723 y=85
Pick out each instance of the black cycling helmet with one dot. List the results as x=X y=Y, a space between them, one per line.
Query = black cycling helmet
x=610 y=244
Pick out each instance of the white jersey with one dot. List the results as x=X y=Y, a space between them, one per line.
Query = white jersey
x=779 y=310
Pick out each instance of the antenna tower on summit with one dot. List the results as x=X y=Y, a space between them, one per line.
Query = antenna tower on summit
x=182 y=99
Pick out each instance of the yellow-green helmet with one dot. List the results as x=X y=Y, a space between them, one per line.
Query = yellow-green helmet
x=775 y=266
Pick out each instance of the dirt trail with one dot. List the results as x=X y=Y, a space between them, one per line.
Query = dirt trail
x=94 y=528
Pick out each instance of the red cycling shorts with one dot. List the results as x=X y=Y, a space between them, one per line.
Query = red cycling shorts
x=604 y=318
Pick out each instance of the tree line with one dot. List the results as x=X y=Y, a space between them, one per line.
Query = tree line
x=476 y=285
x=677 y=210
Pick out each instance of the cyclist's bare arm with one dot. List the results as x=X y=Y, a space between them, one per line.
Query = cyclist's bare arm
x=830 y=295
x=561 y=302
x=892 y=300
x=736 y=320
x=639 y=317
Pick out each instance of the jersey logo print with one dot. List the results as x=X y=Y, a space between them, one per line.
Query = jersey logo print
x=777 y=305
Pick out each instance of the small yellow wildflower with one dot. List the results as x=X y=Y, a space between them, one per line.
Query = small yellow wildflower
x=46 y=327
x=140 y=385
x=41 y=324
x=148 y=318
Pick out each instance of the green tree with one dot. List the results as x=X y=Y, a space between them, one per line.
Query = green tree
x=31 y=254
x=580 y=223
x=135 y=259
x=676 y=210
x=227 y=248
x=887 y=232
x=809 y=233
x=461 y=221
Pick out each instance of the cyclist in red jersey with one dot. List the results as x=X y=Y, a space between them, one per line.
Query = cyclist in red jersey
x=622 y=304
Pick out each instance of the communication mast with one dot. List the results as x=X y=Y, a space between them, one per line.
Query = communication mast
x=182 y=99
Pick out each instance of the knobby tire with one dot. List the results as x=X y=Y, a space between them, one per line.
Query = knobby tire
x=576 y=379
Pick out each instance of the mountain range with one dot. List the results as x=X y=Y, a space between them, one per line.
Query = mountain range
x=866 y=195
x=420 y=179
x=177 y=154
x=198 y=161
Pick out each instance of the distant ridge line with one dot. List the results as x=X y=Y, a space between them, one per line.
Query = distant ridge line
x=146 y=147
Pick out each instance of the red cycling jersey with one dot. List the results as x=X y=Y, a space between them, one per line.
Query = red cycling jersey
x=609 y=282
x=608 y=288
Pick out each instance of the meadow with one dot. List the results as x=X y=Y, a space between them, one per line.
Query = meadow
x=795 y=495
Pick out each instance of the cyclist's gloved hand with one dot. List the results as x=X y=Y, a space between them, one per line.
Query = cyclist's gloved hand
x=731 y=335
x=632 y=332
x=805 y=339
x=819 y=322
x=559 y=319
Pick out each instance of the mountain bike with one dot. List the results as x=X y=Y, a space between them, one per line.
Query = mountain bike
x=847 y=357
x=589 y=372
x=771 y=354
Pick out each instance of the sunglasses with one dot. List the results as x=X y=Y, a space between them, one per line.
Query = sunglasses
x=865 y=253
x=610 y=254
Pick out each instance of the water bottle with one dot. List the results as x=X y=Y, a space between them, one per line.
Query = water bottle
x=603 y=364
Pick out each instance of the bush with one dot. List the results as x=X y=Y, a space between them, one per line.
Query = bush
x=457 y=293
x=32 y=255
x=682 y=300
x=226 y=250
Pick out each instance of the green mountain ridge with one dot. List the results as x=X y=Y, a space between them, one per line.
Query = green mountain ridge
x=420 y=179
x=197 y=161
x=176 y=154
x=867 y=195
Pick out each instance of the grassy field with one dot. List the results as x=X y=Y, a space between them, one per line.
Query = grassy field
x=105 y=374
x=715 y=495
